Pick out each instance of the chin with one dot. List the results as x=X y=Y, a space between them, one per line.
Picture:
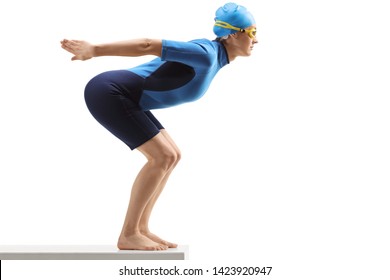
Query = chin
x=247 y=53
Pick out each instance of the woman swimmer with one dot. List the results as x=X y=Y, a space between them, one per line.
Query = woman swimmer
x=121 y=101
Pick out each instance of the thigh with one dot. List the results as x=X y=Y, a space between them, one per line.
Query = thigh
x=118 y=113
x=154 y=120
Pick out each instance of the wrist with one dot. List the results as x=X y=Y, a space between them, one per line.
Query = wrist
x=95 y=50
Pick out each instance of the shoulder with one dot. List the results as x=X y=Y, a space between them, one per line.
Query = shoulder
x=202 y=47
x=189 y=44
x=197 y=52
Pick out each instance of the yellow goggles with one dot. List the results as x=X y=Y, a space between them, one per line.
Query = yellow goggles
x=251 y=32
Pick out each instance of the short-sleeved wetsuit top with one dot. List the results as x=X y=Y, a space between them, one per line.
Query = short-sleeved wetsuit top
x=182 y=74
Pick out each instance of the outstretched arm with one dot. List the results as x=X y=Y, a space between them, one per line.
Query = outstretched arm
x=83 y=50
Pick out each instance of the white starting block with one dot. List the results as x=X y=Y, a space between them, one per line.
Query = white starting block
x=87 y=252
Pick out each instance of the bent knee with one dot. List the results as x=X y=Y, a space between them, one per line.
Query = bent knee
x=174 y=158
x=167 y=160
x=178 y=156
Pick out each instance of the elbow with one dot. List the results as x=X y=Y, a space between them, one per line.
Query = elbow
x=151 y=46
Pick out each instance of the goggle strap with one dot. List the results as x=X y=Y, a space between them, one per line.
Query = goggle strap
x=226 y=25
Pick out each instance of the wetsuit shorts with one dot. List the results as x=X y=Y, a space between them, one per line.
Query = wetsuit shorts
x=112 y=98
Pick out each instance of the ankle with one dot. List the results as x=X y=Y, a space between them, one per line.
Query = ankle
x=130 y=232
x=144 y=231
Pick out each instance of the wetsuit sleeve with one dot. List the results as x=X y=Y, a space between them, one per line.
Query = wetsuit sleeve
x=190 y=53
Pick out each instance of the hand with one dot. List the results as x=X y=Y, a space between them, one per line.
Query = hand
x=82 y=50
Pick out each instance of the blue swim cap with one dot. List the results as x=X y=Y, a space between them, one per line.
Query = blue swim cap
x=232 y=14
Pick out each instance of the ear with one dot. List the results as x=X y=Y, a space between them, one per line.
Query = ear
x=234 y=35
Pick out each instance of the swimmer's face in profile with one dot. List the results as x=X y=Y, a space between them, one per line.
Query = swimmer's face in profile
x=236 y=22
x=248 y=40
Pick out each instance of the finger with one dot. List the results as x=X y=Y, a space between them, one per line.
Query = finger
x=65 y=41
x=75 y=58
x=69 y=47
x=75 y=42
x=68 y=43
x=65 y=48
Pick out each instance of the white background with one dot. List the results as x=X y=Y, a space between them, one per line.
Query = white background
x=285 y=159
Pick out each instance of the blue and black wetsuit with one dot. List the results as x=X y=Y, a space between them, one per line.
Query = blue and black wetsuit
x=121 y=100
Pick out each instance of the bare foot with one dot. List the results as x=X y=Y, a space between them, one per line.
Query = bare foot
x=139 y=242
x=157 y=239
